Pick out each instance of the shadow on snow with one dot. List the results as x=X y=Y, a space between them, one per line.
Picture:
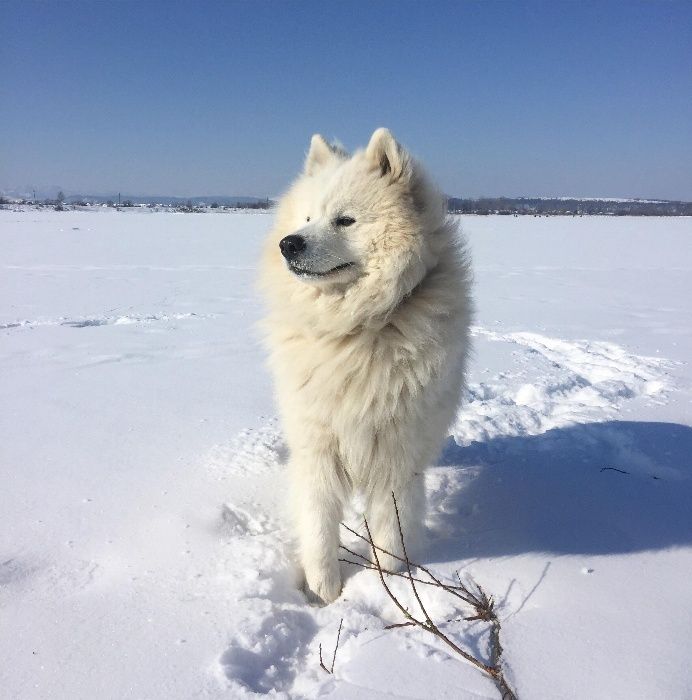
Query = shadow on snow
x=598 y=488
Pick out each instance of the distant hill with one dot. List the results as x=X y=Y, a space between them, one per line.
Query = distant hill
x=566 y=206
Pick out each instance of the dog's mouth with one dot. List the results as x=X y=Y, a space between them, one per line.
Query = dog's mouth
x=306 y=272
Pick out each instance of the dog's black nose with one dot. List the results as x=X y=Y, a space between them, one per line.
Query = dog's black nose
x=291 y=246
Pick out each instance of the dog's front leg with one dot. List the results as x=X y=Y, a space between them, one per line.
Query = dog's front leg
x=318 y=494
x=409 y=491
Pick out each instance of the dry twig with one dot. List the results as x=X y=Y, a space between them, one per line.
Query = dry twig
x=336 y=646
x=614 y=469
x=483 y=605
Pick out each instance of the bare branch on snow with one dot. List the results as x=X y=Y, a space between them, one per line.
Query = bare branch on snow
x=483 y=605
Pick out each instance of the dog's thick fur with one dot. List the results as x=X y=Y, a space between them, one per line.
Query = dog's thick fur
x=368 y=334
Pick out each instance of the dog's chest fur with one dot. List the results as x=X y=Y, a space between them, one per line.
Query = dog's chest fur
x=370 y=377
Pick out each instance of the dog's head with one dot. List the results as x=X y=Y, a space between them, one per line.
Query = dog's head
x=360 y=226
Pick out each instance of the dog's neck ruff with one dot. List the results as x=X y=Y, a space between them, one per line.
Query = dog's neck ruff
x=425 y=277
x=382 y=320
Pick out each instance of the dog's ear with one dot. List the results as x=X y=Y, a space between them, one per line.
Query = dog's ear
x=321 y=153
x=390 y=157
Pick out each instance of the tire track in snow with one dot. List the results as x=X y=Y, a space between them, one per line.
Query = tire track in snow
x=557 y=383
x=595 y=361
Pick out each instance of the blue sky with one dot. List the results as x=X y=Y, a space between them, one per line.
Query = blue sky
x=514 y=98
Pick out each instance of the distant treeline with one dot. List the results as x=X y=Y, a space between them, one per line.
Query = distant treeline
x=507 y=206
x=567 y=207
x=62 y=203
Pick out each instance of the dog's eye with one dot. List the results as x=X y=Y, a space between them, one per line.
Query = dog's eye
x=307 y=219
x=344 y=221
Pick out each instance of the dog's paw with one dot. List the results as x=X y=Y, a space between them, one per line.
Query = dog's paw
x=323 y=586
x=392 y=563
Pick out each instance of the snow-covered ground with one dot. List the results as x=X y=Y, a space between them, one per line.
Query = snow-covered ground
x=143 y=546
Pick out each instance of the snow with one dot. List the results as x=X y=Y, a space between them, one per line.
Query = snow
x=144 y=551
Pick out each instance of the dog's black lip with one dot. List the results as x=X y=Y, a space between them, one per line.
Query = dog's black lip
x=312 y=273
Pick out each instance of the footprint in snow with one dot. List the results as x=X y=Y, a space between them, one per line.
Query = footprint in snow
x=269 y=658
x=236 y=521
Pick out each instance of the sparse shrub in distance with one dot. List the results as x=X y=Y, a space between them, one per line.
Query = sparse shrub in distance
x=188 y=208
x=261 y=204
x=214 y=205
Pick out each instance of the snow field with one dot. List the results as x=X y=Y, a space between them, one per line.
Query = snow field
x=144 y=548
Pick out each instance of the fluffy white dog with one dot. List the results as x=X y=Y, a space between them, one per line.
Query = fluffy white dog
x=369 y=308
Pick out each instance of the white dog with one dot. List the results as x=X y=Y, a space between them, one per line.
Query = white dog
x=369 y=309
